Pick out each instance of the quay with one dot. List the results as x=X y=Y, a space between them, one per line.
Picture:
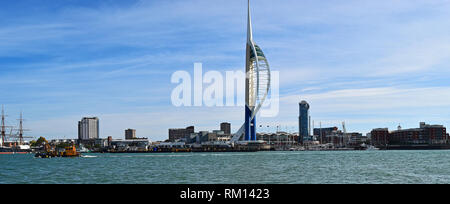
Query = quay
x=415 y=147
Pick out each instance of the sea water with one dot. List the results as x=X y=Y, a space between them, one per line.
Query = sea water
x=328 y=167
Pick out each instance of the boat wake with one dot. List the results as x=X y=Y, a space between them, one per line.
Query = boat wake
x=88 y=156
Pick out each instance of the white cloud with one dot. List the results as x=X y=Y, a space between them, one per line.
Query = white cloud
x=336 y=54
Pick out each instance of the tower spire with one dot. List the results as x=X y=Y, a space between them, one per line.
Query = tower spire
x=249 y=25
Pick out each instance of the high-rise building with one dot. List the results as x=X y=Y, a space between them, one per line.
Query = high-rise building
x=130 y=134
x=303 y=122
x=88 y=128
x=226 y=128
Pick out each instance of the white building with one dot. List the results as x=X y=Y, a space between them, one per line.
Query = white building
x=88 y=128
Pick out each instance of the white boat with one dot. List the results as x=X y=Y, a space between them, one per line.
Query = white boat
x=24 y=147
x=372 y=148
x=83 y=149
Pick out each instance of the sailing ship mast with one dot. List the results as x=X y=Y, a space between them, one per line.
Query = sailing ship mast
x=3 y=127
x=21 y=129
x=19 y=134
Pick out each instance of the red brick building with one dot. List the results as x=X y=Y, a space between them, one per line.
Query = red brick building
x=425 y=135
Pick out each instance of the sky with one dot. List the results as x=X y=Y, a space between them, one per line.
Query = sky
x=369 y=63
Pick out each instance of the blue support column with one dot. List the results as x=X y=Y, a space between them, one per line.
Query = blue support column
x=250 y=126
x=253 y=130
x=248 y=115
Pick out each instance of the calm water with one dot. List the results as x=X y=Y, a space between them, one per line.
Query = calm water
x=212 y=168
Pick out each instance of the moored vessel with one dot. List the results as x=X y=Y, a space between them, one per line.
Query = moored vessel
x=22 y=149
x=15 y=147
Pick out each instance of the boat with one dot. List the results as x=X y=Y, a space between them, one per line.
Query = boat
x=369 y=147
x=13 y=147
x=20 y=149
x=12 y=150
x=295 y=149
x=71 y=151
x=49 y=152
x=84 y=149
x=372 y=148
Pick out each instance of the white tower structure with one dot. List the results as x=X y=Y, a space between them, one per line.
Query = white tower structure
x=257 y=84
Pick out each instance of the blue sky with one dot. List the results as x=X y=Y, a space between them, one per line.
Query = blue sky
x=369 y=63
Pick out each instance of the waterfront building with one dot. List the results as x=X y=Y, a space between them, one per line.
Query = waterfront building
x=171 y=145
x=130 y=134
x=226 y=128
x=332 y=135
x=303 y=121
x=133 y=145
x=210 y=137
x=88 y=128
x=354 y=139
x=323 y=133
x=379 y=136
x=279 y=138
x=205 y=136
x=424 y=135
x=223 y=138
x=181 y=134
x=94 y=144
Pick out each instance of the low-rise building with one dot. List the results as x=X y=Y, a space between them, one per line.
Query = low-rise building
x=181 y=134
x=279 y=138
x=424 y=135
x=379 y=136
x=130 y=145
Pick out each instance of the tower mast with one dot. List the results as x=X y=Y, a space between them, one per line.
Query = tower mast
x=249 y=26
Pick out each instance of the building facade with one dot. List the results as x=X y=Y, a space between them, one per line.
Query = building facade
x=88 y=128
x=323 y=133
x=130 y=134
x=303 y=121
x=226 y=128
x=279 y=138
x=424 y=135
x=181 y=134
x=133 y=145
x=379 y=136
